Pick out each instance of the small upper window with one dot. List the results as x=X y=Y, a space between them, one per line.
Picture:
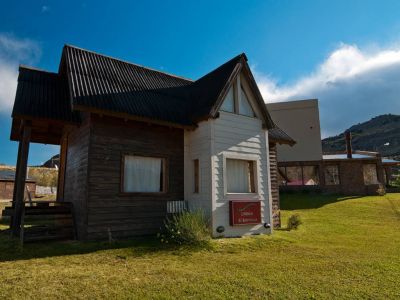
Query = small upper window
x=244 y=104
x=240 y=176
x=143 y=174
x=229 y=101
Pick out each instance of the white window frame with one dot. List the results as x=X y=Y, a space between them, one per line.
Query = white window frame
x=256 y=166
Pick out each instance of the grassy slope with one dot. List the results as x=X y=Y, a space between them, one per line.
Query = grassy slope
x=347 y=248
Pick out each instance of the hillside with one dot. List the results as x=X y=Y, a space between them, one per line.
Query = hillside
x=381 y=134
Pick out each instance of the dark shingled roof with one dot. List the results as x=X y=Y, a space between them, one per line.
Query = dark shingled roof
x=94 y=82
x=43 y=95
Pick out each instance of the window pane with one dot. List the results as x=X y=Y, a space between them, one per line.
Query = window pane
x=293 y=175
x=196 y=175
x=282 y=176
x=244 y=105
x=240 y=176
x=229 y=102
x=331 y=175
x=310 y=175
x=143 y=174
x=370 y=176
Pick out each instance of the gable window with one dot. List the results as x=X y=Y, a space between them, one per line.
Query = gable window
x=237 y=101
x=196 y=176
x=229 y=102
x=332 y=175
x=142 y=174
x=244 y=104
x=240 y=176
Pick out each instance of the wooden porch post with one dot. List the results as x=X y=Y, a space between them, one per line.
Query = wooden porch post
x=61 y=170
x=20 y=177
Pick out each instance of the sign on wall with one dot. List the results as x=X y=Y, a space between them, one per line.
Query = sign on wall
x=245 y=212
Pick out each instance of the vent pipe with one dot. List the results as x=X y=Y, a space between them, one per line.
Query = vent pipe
x=349 y=149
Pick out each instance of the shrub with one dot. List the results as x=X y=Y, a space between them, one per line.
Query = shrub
x=294 y=222
x=381 y=190
x=186 y=228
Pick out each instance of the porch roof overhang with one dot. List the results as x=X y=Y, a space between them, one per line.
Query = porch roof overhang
x=42 y=103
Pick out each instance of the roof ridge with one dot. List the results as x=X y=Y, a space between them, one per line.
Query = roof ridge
x=128 y=62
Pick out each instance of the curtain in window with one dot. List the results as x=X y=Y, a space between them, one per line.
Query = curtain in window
x=142 y=174
x=237 y=173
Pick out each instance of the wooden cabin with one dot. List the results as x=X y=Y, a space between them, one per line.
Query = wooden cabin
x=137 y=144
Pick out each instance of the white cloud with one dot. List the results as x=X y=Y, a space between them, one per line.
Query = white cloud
x=352 y=85
x=13 y=51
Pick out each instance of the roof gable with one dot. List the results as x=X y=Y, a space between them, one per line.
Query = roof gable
x=94 y=82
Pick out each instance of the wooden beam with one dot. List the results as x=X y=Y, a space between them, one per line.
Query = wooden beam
x=61 y=170
x=20 y=178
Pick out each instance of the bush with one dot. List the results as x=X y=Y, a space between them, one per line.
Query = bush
x=44 y=176
x=187 y=228
x=294 y=222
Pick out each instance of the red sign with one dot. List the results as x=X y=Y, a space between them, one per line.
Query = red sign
x=245 y=212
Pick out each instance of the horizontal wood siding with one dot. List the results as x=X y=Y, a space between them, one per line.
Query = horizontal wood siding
x=241 y=136
x=75 y=186
x=273 y=163
x=110 y=210
x=198 y=146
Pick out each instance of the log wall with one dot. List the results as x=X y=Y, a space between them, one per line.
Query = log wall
x=112 y=212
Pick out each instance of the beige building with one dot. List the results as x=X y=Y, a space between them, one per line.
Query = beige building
x=300 y=120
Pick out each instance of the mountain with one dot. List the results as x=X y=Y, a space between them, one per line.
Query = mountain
x=53 y=162
x=381 y=134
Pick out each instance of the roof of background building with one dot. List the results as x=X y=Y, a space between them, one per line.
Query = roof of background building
x=9 y=175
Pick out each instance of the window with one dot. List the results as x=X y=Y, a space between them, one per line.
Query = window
x=237 y=101
x=294 y=175
x=370 y=176
x=310 y=175
x=240 y=176
x=298 y=175
x=229 y=102
x=143 y=174
x=196 y=176
x=244 y=105
x=332 y=175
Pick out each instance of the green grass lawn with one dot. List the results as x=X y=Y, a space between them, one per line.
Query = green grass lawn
x=347 y=248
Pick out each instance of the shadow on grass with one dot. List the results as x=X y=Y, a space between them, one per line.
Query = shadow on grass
x=11 y=250
x=299 y=200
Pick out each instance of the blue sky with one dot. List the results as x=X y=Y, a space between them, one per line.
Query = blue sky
x=346 y=53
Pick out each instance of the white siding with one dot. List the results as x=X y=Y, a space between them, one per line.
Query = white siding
x=198 y=146
x=239 y=136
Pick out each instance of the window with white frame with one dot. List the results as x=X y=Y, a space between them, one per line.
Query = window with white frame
x=240 y=176
x=142 y=174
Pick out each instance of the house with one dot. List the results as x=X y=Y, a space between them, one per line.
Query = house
x=137 y=144
x=7 y=178
x=305 y=166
